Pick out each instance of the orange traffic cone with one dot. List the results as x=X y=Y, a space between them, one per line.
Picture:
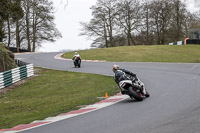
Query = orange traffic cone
x=106 y=95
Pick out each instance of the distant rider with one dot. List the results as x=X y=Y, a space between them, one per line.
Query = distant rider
x=75 y=56
x=121 y=74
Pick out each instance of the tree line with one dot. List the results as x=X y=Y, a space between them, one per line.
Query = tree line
x=138 y=22
x=27 y=23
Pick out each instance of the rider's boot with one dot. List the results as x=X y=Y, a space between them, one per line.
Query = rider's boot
x=145 y=92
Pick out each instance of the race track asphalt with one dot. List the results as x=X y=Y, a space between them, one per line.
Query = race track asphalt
x=174 y=105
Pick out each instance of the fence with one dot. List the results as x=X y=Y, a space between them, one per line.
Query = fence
x=186 y=41
x=16 y=50
x=177 y=43
x=9 y=77
x=20 y=63
x=193 y=41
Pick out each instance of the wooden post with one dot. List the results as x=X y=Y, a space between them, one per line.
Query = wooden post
x=17 y=49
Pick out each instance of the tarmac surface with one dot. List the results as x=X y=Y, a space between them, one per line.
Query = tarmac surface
x=174 y=105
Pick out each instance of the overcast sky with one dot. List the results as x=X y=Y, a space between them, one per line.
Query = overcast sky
x=68 y=21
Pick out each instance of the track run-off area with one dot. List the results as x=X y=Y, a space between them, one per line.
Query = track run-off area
x=174 y=105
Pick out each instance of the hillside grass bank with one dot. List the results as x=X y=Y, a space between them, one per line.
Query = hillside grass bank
x=153 y=53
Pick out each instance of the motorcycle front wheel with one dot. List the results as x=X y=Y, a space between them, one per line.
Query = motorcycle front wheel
x=133 y=94
x=79 y=64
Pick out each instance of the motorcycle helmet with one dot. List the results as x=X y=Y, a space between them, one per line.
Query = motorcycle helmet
x=115 y=67
x=76 y=53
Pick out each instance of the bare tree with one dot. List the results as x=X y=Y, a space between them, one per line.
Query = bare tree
x=179 y=14
x=43 y=27
x=161 y=16
x=133 y=22
x=102 y=24
x=27 y=22
x=129 y=18
x=96 y=28
x=18 y=18
x=146 y=21
x=3 y=16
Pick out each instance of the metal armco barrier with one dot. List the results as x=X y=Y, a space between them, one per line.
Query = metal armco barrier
x=10 y=77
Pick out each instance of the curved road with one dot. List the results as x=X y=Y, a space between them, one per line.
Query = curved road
x=174 y=105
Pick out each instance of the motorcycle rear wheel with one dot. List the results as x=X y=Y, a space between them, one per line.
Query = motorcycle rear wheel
x=133 y=94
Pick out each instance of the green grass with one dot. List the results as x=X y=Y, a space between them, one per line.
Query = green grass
x=154 y=53
x=50 y=94
x=6 y=62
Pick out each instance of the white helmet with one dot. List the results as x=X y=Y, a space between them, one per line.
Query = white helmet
x=115 y=67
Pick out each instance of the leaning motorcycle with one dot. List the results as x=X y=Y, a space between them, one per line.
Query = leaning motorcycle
x=132 y=87
x=77 y=62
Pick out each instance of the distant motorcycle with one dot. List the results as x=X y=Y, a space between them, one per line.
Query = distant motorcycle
x=77 y=62
x=132 y=87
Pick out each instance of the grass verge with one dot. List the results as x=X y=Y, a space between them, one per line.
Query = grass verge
x=50 y=94
x=154 y=53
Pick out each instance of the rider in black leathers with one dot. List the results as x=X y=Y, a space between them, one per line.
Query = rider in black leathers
x=121 y=74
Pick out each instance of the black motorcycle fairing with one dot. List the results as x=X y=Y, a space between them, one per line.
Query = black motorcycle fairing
x=77 y=62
